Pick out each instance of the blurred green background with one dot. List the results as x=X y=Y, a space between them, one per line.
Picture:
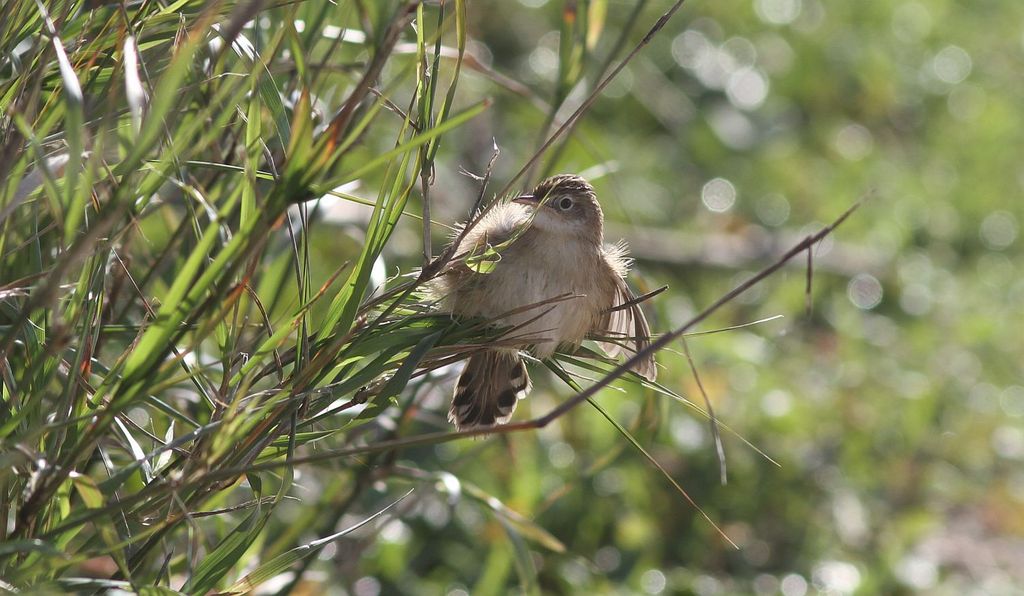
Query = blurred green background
x=894 y=409
x=882 y=428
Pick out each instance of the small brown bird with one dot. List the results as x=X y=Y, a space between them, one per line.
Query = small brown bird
x=551 y=244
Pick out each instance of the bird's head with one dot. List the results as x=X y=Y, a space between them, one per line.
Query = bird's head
x=566 y=205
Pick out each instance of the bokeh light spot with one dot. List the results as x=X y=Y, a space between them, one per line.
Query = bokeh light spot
x=742 y=51
x=864 y=291
x=653 y=581
x=772 y=209
x=732 y=127
x=543 y=61
x=687 y=433
x=854 y=142
x=918 y=572
x=747 y=88
x=836 y=577
x=561 y=454
x=689 y=48
x=718 y=195
x=952 y=64
x=396 y=532
x=778 y=12
x=1012 y=401
x=367 y=586
x=911 y=21
x=766 y=584
x=776 y=403
x=1008 y=442
x=608 y=558
x=916 y=299
x=999 y=230
x=793 y=584
x=966 y=102
x=139 y=416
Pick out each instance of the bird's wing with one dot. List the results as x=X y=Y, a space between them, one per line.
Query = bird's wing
x=497 y=227
x=624 y=331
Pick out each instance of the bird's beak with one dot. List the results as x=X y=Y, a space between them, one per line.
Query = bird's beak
x=528 y=200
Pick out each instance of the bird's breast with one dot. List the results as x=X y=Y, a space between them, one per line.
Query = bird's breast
x=530 y=277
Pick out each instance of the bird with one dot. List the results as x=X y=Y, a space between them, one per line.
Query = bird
x=538 y=265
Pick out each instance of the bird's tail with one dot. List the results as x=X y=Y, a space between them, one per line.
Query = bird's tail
x=488 y=389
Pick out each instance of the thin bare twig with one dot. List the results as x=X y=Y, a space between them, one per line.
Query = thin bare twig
x=712 y=419
x=589 y=101
x=339 y=124
x=668 y=338
x=810 y=275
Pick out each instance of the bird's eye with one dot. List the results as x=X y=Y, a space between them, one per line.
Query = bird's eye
x=565 y=203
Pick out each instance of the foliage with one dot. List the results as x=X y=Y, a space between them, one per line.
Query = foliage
x=209 y=377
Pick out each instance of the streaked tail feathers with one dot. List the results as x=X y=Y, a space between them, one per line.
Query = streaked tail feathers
x=489 y=388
